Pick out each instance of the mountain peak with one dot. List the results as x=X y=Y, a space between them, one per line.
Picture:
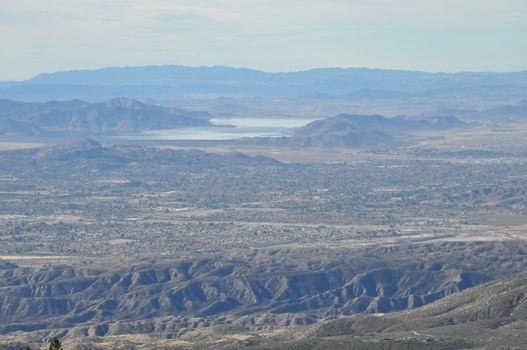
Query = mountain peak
x=123 y=102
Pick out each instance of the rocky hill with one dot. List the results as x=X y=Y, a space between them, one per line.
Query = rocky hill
x=259 y=290
x=491 y=316
x=361 y=131
x=502 y=114
x=77 y=117
x=87 y=156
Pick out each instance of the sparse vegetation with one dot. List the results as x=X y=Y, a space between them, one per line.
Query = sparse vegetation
x=365 y=232
x=55 y=344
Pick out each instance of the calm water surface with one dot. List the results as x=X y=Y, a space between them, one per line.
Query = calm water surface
x=227 y=129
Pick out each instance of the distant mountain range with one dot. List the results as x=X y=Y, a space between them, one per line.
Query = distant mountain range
x=125 y=115
x=363 y=131
x=77 y=117
x=168 y=81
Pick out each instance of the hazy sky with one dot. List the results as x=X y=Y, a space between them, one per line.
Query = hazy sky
x=434 y=35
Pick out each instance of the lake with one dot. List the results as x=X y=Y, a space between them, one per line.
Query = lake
x=227 y=129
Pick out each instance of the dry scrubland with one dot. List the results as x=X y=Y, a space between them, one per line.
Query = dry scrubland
x=192 y=249
x=356 y=232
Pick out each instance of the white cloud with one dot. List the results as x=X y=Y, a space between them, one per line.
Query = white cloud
x=274 y=11
x=268 y=34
